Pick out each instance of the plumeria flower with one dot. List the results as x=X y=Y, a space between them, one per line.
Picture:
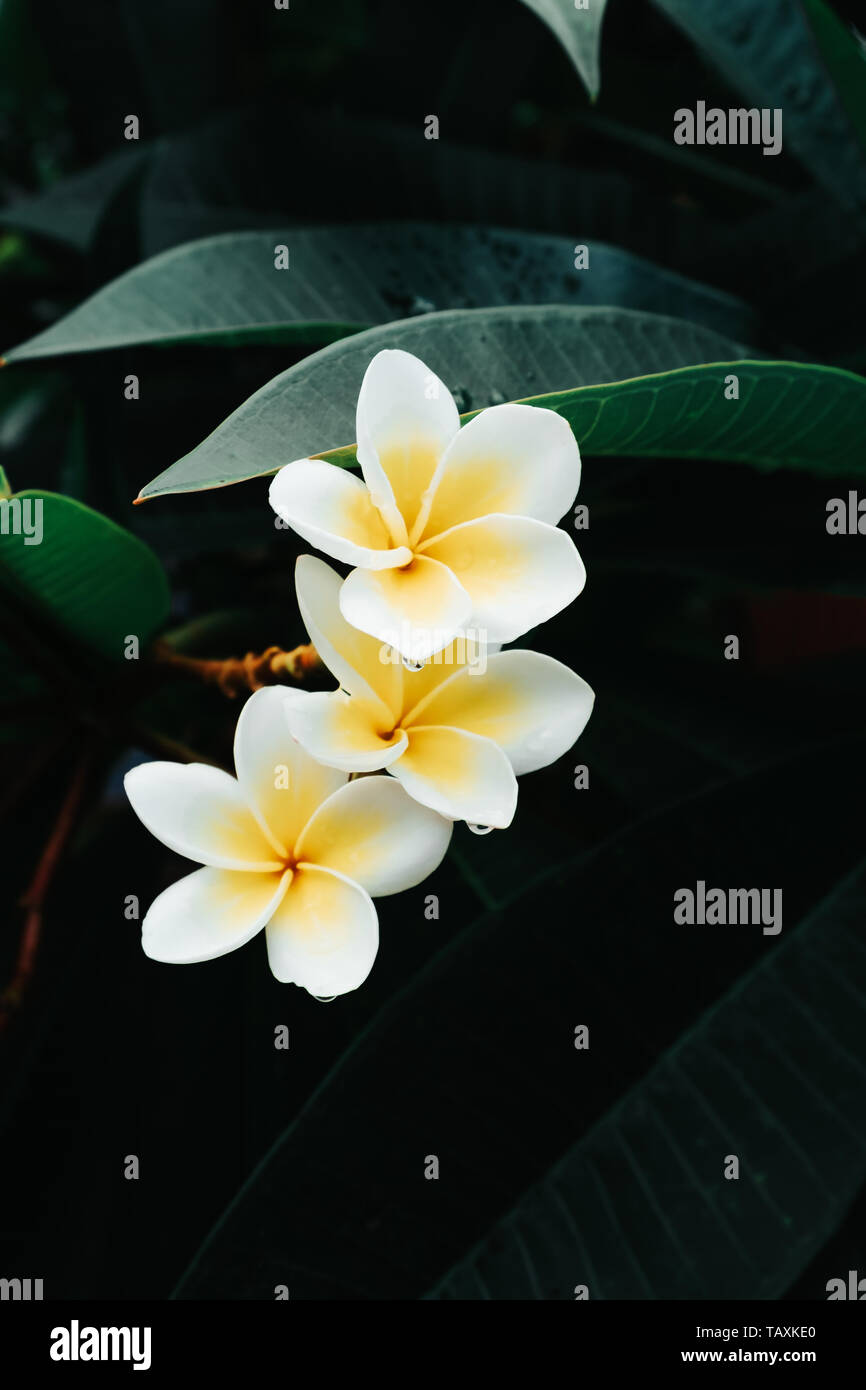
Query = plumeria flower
x=453 y=737
x=288 y=845
x=448 y=526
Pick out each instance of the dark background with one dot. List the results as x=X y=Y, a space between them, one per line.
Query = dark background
x=740 y=773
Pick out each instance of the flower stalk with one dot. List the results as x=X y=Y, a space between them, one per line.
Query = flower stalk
x=235 y=676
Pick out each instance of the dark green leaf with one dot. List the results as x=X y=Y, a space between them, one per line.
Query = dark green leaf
x=232 y=174
x=486 y=1033
x=87 y=576
x=845 y=60
x=341 y=279
x=579 y=32
x=749 y=1079
x=71 y=210
x=24 y=399
x=649 y=401
x=769 y=53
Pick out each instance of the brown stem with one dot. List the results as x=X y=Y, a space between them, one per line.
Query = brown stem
x=235 y=676
x=34 y=898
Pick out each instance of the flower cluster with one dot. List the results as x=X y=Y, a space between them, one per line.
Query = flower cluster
x=341 y=797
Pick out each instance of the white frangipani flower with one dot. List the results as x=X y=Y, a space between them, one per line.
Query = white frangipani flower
x=454 y=738
x=288 y=845
x=449 y=526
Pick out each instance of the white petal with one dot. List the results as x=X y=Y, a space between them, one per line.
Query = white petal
x=360 y=663
x=345 y=732
x=375 y=834
x=324 y=935
x=519 y=460
x=531 y=705
x=201 y=813
x=416 y=610
x=518 y=572
x=465 y=651
x=282 y=784
x=332 y=509
x=406 y=419
x=460 y=775
x=210 y=913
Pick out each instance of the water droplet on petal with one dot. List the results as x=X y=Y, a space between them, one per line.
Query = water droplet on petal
x=479 y=829
x=412 y=665
x=324 y=998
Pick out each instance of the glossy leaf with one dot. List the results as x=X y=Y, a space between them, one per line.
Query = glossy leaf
x=769 y=53
x=85 y=575
x=579 y=32
x=628 y=383
x=342 y=279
